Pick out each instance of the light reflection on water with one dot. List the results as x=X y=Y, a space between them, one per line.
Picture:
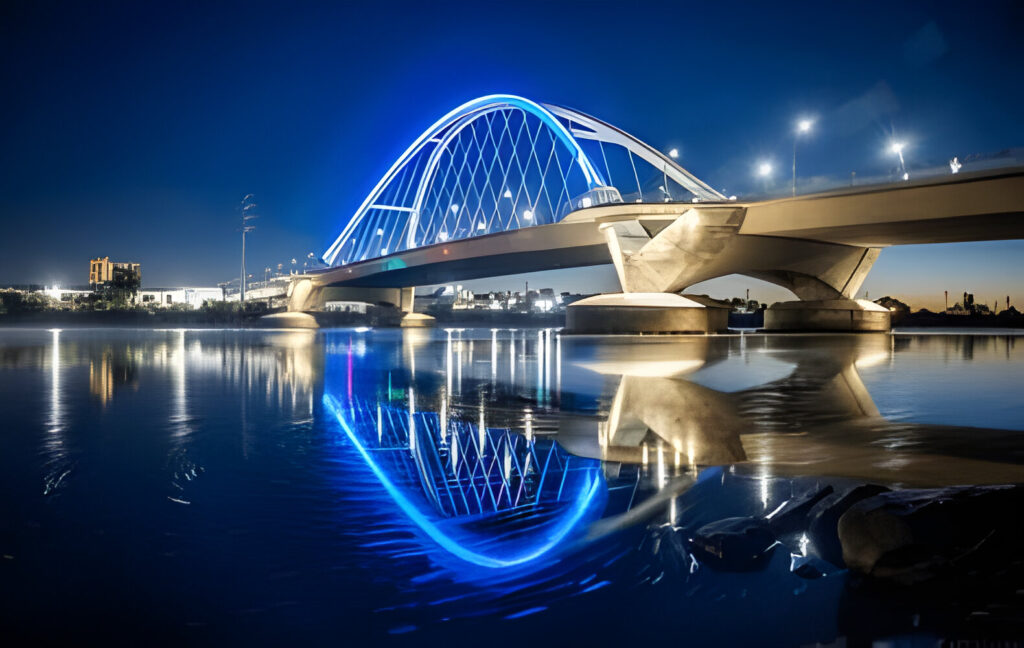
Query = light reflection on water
x=483 y=474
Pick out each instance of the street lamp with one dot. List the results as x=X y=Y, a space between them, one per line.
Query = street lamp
x=764 y=170
x=248 y=213
x=897 y=148
x=674 y=153
x=803 y=126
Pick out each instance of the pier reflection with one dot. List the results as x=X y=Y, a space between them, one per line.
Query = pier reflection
x=454 y=478
x=467 y=433
x=789 y=406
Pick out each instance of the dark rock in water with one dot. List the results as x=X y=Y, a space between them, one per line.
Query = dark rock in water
x=810 y=567
x=910 y=536
x=667 y=546
x=822 y=529
x=734 y=544
x=792 y=516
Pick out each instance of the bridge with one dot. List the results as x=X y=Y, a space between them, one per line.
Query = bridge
x=503 y=185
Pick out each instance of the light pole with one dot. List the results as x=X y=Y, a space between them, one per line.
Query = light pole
x=248 y=213
x=674 y=154
x=310 y=259
x=802 y=126
x=897 y=148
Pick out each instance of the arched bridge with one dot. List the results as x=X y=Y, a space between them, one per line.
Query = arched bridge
x=503 y=185
x=501 y=163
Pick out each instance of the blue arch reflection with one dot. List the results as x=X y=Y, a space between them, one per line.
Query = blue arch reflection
x=466 y=487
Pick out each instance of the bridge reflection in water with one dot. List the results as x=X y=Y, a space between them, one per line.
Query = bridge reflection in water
x=534 y=467
x=486 y=496
x=437 y=475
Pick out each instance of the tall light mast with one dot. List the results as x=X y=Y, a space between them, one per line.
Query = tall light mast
x=248 y=209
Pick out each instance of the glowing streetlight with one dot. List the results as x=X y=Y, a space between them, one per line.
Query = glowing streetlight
x=802 y=127
x=528 y=214
x=897 y=148
x=674 y=153
x=764 y=171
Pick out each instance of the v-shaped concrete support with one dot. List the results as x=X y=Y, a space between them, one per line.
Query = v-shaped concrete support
x=702 y=244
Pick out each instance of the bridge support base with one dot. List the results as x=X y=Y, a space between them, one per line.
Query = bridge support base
x=644 y=313
x=827 y=315
x=418 y=320
x=289 y=320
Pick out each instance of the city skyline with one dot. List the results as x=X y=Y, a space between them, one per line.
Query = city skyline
x=149 y=160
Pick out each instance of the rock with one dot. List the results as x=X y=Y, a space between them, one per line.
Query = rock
x=810 y=567
x=734 y=544
x=822 y=529
x=792 y=515
x=910 y=536
x=667 y=547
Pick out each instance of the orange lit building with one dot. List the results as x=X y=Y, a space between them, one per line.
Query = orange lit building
x=102 y=271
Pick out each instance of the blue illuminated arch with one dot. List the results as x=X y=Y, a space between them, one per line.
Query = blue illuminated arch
x=508 y=163
x=525 y=550
x=395 y=225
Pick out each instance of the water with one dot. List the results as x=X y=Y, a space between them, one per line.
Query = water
x=469 y=487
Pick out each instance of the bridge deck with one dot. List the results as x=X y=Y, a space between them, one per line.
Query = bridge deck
x=967 y=207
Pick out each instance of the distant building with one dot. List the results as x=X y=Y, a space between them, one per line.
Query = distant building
x=103 y=272
x=191 y=297
x=968 y=307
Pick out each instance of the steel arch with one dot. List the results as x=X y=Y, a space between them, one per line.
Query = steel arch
x=387 y=221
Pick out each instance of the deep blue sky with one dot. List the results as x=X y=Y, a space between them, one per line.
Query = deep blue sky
x=132 y=130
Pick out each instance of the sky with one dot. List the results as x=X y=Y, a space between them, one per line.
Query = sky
x=133 y=130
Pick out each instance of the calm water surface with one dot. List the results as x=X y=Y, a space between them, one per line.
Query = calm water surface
x=467 y=487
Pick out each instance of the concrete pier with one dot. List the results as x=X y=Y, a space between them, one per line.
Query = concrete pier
x=827 y=315
x=644 y=313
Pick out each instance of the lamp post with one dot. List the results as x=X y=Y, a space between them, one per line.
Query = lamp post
x=897 y=148
x=674 y=153
x=248 y=213
x=803 y=126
